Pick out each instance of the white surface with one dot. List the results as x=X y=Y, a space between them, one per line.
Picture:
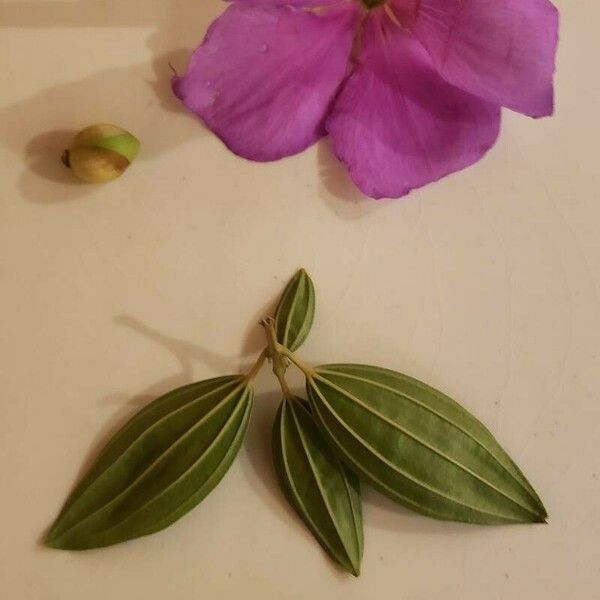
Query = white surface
x=484 y=285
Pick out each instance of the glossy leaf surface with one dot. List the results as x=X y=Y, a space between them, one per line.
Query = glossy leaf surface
x=321 y=489
x=419 y=447
x=295 y=312
x=160 y=465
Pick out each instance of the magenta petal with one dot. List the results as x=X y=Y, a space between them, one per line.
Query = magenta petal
x=298 y=3
x=501 y=50
x=265 y=76
x=398 y=125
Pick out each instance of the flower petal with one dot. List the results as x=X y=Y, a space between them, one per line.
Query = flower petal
x=397 y=124
x=501 y=50
x=265 y=76
x=299 y=3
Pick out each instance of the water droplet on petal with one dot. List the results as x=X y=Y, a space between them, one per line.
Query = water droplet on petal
x=208 y=83
x=264 y=48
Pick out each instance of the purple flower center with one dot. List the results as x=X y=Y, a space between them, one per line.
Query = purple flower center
x=401 y=12
x=372 y=3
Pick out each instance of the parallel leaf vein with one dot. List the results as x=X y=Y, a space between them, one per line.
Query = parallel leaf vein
x=155 y=463
x=232 y=449
x=407 y=501
x=437 y=414
x=318 y=480
x=288 y=321
x=397 y=469
x=300 y=503
x=186 y=472
x=423 y=443
x=80 y=491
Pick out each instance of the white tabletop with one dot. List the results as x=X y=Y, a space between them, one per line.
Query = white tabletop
x=484 y=285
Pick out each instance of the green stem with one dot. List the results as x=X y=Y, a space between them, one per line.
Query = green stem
x=279 y=365
x=285 y=389
x=279 y=354
x=256 y=366
x=308 y=372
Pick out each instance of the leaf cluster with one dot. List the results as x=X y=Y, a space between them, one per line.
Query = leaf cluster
x=357 y=423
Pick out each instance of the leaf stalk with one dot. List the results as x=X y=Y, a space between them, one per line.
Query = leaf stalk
x=256 y=367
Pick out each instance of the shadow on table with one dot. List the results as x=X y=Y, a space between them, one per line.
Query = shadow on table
x=337 y=185
x=188 y=354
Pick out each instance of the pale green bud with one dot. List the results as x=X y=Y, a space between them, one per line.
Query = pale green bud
x=101 y=152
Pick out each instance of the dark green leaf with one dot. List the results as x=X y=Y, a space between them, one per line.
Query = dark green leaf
x=162 y=463
x=419 y=447
x=295 y=311
x=324 y=492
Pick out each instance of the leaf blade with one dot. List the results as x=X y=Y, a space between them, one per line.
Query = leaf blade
x=428 y=453
x=493 y=447
x=167 y=458
x=324 y=493
x=295 y=312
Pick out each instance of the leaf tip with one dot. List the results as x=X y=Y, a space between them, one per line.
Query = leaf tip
x=350 y=564
x=53 y=538
x=542 y=514
x=51 y=541
x=303 y=274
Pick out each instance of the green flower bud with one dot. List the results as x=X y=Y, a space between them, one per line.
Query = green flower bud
x=101 y=153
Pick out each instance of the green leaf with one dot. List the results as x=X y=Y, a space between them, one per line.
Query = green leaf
x=419 y=447
x=295 y=311
x=321 y=489
x=160 y=465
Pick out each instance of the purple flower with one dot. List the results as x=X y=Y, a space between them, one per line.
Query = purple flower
x=408 y=90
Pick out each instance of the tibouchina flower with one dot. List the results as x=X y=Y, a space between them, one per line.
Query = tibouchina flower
x=408 y=90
